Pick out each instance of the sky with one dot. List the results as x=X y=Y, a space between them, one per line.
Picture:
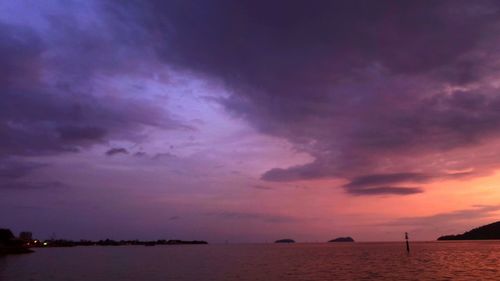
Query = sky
x=249 y=121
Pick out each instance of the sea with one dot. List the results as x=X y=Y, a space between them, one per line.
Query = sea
x=461 y=260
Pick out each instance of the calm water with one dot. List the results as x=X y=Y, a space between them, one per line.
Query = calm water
x=358 y=261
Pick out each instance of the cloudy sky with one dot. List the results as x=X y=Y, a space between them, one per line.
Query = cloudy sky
x=249 y=121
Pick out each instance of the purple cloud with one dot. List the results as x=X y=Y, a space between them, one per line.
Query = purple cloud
x=366 y=88
x=412 y=83
x=52 y=101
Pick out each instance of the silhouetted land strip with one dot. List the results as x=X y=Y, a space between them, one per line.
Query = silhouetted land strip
x=109 y=242
x=285 y=241
x=342 y=239
x=485 y=232
x=9 y=244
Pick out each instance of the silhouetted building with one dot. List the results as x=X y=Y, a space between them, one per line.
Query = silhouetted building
x=26 y=236
x=11 y=245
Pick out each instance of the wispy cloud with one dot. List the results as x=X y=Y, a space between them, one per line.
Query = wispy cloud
x=32 y=185
x=263 y=217
x=262 y=187
x=477 y=212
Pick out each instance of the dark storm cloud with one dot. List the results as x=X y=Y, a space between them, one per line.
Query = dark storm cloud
x=116 y=150
x=384 y=190
x=51 y=100
x=379 y=184
x=370 y=180
x=365 y=87
x=305 y=172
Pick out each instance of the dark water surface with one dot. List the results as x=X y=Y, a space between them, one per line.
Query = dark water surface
x=350 y=261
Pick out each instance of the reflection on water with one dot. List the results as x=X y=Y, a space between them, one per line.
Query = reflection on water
x=357 y=261
x=3 y=265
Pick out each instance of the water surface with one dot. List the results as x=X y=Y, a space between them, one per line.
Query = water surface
x=344 y=261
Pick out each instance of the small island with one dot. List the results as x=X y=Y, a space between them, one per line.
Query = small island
x=341 y=239
x=485 y=232
x=285 y=241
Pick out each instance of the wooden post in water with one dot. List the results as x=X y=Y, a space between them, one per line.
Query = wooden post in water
x=407 y=243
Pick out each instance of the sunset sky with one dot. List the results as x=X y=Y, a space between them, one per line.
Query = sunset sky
x=249 y=121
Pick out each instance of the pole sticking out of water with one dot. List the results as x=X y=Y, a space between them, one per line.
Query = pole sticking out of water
x=407 y=243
